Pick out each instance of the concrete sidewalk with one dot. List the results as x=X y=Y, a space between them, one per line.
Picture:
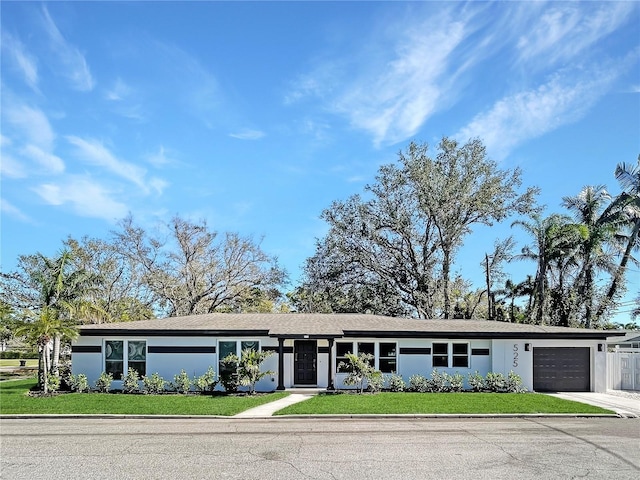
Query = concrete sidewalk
x=625 y=404
x=268 y=409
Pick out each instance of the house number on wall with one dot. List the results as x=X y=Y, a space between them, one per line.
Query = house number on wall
x=515 y=355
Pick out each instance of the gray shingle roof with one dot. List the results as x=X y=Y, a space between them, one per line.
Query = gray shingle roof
x=332 y=325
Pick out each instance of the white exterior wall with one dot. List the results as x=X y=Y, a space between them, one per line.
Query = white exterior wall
x=511 y=355
x=91 y=364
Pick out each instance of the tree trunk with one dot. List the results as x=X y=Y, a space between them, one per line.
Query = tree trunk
x=445 y=282
x=488 y=280
x=55 y=358
x=619 y=275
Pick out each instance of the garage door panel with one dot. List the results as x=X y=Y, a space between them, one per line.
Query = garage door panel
x=561 y=369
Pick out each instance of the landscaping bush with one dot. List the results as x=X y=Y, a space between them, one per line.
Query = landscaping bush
x=495 y=382
x=360 y=370
x=131 y=383
x=418 y=383
x=78 y=383
x=229 y=373
x=154 y=384
x=249 y=368
x=103 y=383
x=514 y=384
x=181 y=382
x=476 y=382
x=54 y=383
x=456 y=382
x=375 y=382
x=397 y=383
x=206 y=382
x=437 y=382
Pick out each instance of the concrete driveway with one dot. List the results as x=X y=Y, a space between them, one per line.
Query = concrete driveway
x=626 y=404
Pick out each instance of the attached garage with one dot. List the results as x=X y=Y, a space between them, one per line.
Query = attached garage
x=562 y=369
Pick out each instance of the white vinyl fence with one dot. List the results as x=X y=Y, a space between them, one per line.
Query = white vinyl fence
x=623 y=369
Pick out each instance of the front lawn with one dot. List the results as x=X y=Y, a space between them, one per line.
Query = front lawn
x=14 y=362
x=433 y=403
x=13 y=399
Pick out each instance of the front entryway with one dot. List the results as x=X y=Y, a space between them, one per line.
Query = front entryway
x=305 y=353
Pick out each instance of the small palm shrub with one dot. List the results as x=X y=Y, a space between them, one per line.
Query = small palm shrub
x=54 y=383
x=103 y=383
x=229 y=373
x=131 y=382
x=360 y=370
x=154 y=384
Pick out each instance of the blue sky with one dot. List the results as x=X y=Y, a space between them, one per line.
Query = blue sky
x=256 y=115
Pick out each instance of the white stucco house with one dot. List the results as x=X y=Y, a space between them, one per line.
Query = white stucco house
x=309 y=347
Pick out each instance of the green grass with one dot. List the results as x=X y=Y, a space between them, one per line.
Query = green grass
x=433 y=403
x=14 y=400
x=14 y=362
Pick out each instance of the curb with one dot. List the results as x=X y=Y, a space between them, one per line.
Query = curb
x=352 y=416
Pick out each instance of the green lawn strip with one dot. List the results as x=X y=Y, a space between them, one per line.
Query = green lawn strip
x=434 y=403
x=13 y=400
x=14 y=362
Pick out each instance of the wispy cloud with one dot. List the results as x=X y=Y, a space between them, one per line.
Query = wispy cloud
x=72 y=62
x=248 y=134
x=22 y=60
x=48 y=162
x=13 y=211
x=85 y=196
x=564 y=30
x=531 y=113
x=31 y=124
x=119 y=91
x=391 y=94
x=10 y=167
x=94 y=152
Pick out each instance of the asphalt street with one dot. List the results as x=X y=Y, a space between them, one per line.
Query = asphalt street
x=126 y=448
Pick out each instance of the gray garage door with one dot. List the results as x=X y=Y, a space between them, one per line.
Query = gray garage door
x=561 y=369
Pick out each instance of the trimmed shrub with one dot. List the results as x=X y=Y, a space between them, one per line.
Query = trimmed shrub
x=103 y=383
x=181 y=382
x=229 y=373
x=476 y=382
x=437 y=382
x=154 y=384
x=418 y=383
x=456 y=382
x=54 y=383
x=78 y=383
x=375 y=381
x=206 y=382
x=496 y=382
x=131 y=383
x=397 y=383
x=514 y=384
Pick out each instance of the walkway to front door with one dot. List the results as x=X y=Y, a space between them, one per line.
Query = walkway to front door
x=305 y=358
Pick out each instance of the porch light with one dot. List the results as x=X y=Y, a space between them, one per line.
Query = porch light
x=527 y=347
x=601 y=347
x=305 y=336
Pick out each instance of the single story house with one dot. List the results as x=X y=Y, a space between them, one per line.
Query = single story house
x=308 y=348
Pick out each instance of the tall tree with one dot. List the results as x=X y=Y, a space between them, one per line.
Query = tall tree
x=406 y=233
x=628 y=203
x=600 y=221
x=196 y=270
x=555 y=241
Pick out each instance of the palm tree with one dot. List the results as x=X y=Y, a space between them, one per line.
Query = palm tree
x=47 y=326
x=555 y=240
x=628 y=205
x=599 y=221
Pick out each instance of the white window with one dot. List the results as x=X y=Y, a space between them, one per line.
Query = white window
x=117 y=363
x=383 y=353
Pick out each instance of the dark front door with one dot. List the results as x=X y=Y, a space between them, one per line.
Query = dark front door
x=305 y=354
